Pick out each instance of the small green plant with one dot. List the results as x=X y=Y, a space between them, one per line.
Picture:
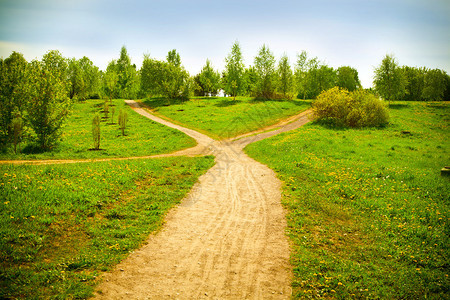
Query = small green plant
x=353 y=109
x=17 y=127
x=123 y=119
x=96 y=131
x=106 y=110
x=113 y=111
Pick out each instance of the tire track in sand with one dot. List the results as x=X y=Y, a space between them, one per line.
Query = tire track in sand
x=226 y=240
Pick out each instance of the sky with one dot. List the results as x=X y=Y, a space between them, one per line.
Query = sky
x=356 y=33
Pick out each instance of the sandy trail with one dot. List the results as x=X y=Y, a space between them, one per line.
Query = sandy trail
x=225 y=241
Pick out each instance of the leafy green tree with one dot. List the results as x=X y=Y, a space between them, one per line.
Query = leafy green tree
x=319 y=77
x=167 y=79
x=127 y=77
x=447 y=89
x=435 y=84
x=110 y=79
x=301 y=72
x=209 y=79
x=415 y=78
x=17 y=129
x=389 y=80
x=251 y=79
x=91 y=76
x=233 y=79
x=84 y=78
x=173 y=57
x=47 y=95
x=285 y=77
x=347 y=78
x=77 y=80
x=265 y=69
x=326 y=78
x=13 y=76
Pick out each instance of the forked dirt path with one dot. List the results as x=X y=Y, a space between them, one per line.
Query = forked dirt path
x=226 y=240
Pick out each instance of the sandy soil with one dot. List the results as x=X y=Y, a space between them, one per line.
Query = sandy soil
x=225 y=241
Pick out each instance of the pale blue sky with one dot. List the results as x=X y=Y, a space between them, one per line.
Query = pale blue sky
x=357 y=33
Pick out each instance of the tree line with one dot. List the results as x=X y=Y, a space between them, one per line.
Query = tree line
x=38 y=94
x=405 y=83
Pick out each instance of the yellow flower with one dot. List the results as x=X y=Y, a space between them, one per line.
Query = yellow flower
x=339 y=283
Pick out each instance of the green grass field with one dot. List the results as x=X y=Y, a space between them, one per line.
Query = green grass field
x=61 y=225
x=368 y=211
x=222 y=118
x=143 y=136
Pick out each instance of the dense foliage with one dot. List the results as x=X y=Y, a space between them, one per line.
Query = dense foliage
x=352 y=109
x=209 y=80
x=166 y=78
x=38 y=94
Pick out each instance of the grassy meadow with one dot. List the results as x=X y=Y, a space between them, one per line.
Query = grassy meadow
x=62 y=225
x=142 y=136
x=368 y=211
x=223 y=117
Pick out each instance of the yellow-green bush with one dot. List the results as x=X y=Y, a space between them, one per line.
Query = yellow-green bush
x=352 y=109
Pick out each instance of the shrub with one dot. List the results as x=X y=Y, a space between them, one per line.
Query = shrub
x=356 y=109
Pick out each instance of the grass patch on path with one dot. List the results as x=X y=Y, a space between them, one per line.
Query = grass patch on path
x=368 y=211
x=62 y=225
x=222 y=118
x=143 y=136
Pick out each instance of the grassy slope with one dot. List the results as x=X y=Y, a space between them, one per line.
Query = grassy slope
x=61 y=225
x=224 y=118
x=368 y=212
x=143 y=136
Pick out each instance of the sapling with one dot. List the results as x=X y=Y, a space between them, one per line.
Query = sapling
x=113 y=111
x=96 y=131
x=106 y=110
x=123 y=119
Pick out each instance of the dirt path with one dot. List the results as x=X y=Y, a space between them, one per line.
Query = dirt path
x=225 y=241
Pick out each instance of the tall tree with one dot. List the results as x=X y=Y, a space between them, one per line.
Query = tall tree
x=234 y=83
x=209 y=79
x=285 y=77
x=389 y=80
x=173 y=57
x=251 y=79
x=301 y=68
x=265 y=69
x=435 y=84
x=91 y=75
x=127 y=75
x=415 y=83
x=48 y=102
x=13 y=72
x=167 y=79
x=326 y=79
x=347 y=78
x=77 y=80
x=110 y=79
